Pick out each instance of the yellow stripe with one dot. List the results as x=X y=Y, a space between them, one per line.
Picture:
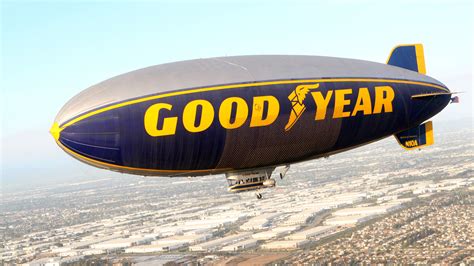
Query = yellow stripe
x=420 y=58
x=429 y=133
x=235 y=86
x=430 y=94
x=114 y=166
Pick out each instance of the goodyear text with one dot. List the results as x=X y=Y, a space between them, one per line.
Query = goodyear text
x=234 y=112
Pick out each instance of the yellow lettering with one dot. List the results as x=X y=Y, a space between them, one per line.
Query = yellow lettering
x=340 y=102
x=321 y=104
x=384 y=96
x=151 y=121
x=363 y=102
x=273 y=110
x=411 y=143
x=241 y=113
x=190 y=115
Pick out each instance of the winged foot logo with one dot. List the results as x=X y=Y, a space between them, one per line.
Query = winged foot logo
x=297 y=106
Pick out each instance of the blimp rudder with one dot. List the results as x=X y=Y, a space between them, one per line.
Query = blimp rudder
x=424 y=104
x=409 y=56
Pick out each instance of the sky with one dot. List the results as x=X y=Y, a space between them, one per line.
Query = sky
x=50 y=51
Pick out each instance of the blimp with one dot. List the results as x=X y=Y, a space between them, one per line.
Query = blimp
x=249 y=117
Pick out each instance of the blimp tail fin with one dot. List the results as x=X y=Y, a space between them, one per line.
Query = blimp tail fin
x=416 y=137
x=409 y=56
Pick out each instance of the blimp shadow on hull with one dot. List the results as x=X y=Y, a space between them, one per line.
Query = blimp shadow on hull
x=245 y=116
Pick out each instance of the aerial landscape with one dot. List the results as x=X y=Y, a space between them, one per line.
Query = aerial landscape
x=236 y=133
x=386 y=205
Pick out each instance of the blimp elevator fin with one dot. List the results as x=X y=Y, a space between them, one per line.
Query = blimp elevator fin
x=416 y=137
x=409 y=56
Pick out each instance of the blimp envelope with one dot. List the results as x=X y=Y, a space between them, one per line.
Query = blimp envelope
x=237 y=114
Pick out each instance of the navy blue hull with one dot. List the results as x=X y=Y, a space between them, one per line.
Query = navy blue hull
x=117 y=139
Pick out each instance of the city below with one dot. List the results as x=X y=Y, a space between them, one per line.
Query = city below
x=375 y=204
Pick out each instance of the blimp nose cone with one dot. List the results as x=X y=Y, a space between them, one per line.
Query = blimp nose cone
x=90 y=137
x=55 y=131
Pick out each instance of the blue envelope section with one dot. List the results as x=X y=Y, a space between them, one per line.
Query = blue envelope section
x=117 y=137
x=97 y=137
x=409 y=57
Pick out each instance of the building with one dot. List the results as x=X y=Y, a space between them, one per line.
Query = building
x=259 y=222
x=312 y=232
x=301 y=218
x=284 y=244
x=349 y=220
x=165 y=259
x=218 y=243
x=159 y=247
x=54 y=261
x=241 y=245
x=120 y=243
x=186 y=239
x=381 y=209
x=275 y=232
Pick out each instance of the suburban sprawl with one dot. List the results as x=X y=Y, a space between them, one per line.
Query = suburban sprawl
x=375 y=204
